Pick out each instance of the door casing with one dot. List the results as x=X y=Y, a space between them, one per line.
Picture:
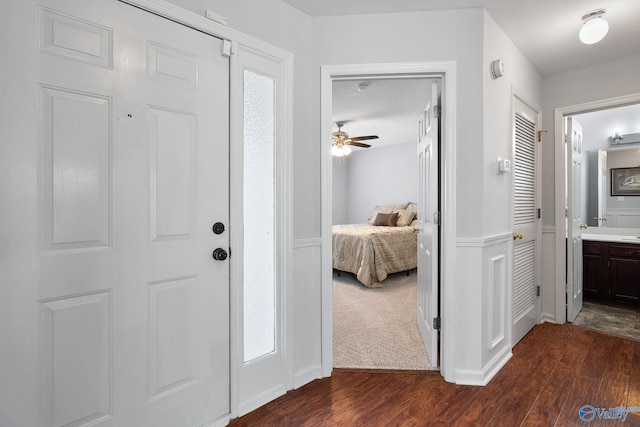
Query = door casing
x=446 y=70
x=560 y=193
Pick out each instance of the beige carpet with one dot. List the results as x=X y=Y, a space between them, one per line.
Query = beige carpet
x=377 y=328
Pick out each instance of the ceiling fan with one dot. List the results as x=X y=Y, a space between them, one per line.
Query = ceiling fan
x=341 y=141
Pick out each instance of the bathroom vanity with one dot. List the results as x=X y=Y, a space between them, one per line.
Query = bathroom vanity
x=611 y=267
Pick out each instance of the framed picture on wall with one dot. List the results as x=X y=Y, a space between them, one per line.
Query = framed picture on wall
x=625 y=181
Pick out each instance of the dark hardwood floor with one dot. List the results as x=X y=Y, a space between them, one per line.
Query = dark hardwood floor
x=554 y=371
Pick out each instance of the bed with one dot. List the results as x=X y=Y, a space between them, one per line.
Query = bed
x=372 y=251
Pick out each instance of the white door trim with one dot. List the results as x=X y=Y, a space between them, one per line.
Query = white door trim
x=447 y=71
x=560 y=193
x=244 y=44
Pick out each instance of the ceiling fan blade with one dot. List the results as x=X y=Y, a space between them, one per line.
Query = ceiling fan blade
x=358 y=144
x=363 y=138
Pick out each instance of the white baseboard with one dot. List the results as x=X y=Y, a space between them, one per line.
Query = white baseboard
x=220 y=422
x=306 y=376
x=482 y=377
x=548 y=318
x=261 y=400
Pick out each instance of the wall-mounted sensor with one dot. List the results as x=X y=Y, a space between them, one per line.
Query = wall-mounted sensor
x=504 y=165
x=497 y=68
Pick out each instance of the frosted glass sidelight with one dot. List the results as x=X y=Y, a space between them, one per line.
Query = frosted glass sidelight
x=259 y=287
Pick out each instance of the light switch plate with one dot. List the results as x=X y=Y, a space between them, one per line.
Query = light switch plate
x=504 y=165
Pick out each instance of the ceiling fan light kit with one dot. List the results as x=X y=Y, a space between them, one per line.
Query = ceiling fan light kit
x=342 y=141
x=340 y=150
x=594 y=27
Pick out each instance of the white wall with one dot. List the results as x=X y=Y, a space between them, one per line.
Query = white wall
x=340 y=193
x=525 y=81
x=415 y=37
x=600 y=81
x=380 y=176
x=592 y=83
x=482 y=132
x=494 y=328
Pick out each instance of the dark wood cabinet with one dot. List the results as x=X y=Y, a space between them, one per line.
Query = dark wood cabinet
x=594 y=282
x=611 y=271
x=624 y=272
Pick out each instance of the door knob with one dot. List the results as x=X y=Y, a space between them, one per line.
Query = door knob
x=583 y=226
x=517 y=236
x=219 y=254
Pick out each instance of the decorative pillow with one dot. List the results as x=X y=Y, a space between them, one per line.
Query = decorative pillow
x=388 y=219
x=385 y=209
x=413 y=207
x=405 y=217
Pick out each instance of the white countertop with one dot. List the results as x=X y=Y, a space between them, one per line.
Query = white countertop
x=611 y=238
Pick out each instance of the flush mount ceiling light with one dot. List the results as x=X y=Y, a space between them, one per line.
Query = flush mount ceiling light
x=594 y=27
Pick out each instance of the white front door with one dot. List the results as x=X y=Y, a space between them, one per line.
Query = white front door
x=526 y=276
x=115 y=168
x=576 y=220
x=428 y=222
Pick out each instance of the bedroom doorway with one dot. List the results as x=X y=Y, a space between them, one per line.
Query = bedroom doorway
x=386 y=173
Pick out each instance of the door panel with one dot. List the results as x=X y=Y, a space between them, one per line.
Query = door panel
x=525 y=222
x=575 y=218
x=428 y=232
x=120 y=297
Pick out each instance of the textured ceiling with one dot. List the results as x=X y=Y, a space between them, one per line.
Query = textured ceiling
x=388 y=108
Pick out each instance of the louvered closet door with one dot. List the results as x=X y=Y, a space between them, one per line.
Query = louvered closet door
x=525 y=222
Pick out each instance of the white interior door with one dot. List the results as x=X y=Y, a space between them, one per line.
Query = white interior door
x=428 y=221
x=575 y=220
x=526 y=264
x=602 y=189
x=115 y=147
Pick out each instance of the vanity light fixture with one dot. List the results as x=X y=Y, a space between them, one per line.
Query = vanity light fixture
x=594 y=27
x=616 y=138
x=623 y=139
